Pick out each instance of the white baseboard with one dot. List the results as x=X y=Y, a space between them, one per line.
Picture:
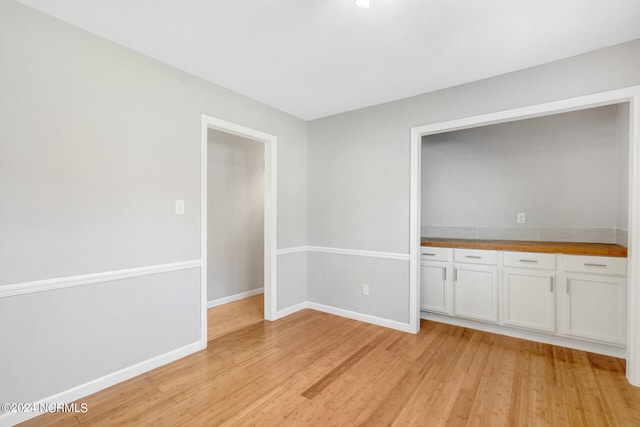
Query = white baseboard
x=236 y=297
x=290 y=310
x=528 y=335
x=83 y=390
x=387 y=323
x=404 y=327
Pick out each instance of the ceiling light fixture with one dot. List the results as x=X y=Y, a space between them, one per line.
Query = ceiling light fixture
x=363 y=3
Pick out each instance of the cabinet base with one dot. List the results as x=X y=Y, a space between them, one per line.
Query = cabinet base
x=593 y=347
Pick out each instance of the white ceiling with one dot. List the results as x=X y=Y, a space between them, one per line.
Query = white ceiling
x=317 y=58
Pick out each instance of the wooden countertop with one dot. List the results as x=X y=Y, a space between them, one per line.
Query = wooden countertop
x=569 y=248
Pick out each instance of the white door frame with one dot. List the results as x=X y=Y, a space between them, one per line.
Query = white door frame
x=270 y=212
x=630 y=95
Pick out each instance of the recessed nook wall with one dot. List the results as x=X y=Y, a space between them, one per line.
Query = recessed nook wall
x=567 y=172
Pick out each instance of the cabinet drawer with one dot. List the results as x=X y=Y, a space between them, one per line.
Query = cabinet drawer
x=596 y=264
x=533 y=260
x=430 y=253
x=475 y=256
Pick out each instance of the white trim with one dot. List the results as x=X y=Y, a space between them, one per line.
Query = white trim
x=556 y=107
x=90 y=279
x=527 y=335
x=270 y=228
x=356 y=252
x=630 y=95
x=290 y=310
x=101 y=383
x=633 y=256
x=374 y=320
x=236 y=297
x=342 y=251
x=270 y=211
x=204 y=162
x=414 y=230
x=293 y=250
x=367 y=318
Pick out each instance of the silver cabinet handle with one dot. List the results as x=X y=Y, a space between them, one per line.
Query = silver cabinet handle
x=455 y=274
x=551 y=287
x=473 y=256
x=444 y=274
x=590 y=264
x=567 y=285
x=429 y=254
x=534 y=261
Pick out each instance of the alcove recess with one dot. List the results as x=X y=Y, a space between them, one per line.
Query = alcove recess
x=568 y=173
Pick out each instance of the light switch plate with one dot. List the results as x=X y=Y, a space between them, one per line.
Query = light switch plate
x=179 y=207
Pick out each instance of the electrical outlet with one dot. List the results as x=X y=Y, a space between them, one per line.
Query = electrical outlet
x=365 y=290
x=521 y=218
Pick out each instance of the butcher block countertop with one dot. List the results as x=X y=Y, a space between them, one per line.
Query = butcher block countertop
x=569 y=248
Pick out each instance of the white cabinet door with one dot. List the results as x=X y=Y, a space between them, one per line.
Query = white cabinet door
x=433 y=287
x=476 y=292
x=595 y=307
x=529 y=299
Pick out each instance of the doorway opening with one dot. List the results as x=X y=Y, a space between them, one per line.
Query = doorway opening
x=238 y=222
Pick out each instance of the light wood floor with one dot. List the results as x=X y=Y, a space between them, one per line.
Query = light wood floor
x=313 y=368
x=236 y=315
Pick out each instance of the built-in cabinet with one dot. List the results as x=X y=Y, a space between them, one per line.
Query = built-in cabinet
x=434 y=296
x=577 y=297
x=475 y=292
x=528 y=287
x=594 y=298
x=594 y=307
x=475 y=289
x=529 y=299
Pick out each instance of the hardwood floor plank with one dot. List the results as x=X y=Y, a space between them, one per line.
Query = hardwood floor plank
x=234 y=316
x=313 y=368
x=441 y=349
x=324 y=382
x=56 y=420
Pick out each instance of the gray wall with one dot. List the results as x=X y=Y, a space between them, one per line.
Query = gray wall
x=53 y=341
x=96 y=143
x=342 y=278
x=562 y=171
x=359 y=162
x=235 y=211
x=292 y=272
